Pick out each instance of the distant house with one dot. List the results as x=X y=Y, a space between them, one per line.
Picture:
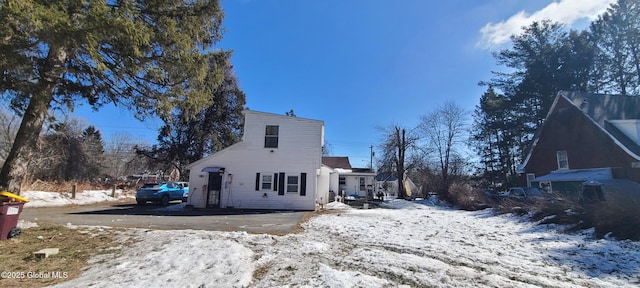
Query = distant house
x=277 y=165
x=387 y=183
x=585 y=137
x=348 y=180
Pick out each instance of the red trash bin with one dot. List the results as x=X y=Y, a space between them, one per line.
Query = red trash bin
x=9 y=214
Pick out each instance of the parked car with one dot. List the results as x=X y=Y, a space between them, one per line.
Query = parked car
x=523 y=193
x=185 y=190
x=161 y=193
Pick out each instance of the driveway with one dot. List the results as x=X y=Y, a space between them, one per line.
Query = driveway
x=129 y=215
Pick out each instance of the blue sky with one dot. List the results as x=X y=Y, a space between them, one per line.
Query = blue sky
x=363 y=64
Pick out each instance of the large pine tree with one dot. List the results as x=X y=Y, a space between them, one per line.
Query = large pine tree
x=144 y=55
x=187 y=138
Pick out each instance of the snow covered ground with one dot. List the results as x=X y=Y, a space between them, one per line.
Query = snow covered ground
x=411 y=245
x=42 y=199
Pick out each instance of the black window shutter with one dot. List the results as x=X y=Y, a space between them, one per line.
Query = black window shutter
x=257 y=181
x=282 y=184
x=275 y=181
x=303 y=184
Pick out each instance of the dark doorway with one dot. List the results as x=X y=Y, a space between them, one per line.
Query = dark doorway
x=215 y=186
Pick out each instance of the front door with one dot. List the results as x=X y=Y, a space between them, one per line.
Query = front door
x=215 y=186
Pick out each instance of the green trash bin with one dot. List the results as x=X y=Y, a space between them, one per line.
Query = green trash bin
x=9 y=214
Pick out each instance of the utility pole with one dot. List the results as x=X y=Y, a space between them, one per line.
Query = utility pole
x=371 y=161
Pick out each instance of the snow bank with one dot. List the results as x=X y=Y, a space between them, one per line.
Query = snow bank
x=45 y=199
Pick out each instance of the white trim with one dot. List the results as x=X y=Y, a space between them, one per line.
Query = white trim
x=566 y=159
x=286 y=189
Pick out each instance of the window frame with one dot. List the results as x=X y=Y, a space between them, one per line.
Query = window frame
x=263 y=182
x=291 y=185
x=562 y=157
x=271 y=138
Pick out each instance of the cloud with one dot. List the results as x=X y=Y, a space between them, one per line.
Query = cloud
x=563 y=11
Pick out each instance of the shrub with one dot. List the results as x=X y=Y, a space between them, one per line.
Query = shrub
x=466 y=198
x=616 y=219
x=620 y=221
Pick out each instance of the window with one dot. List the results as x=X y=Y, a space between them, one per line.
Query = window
x=342 y=180
x=292 y=184
x=530 y=177
x=271 y=136
x=362 y=185
x=266 y=181
x=563 y=160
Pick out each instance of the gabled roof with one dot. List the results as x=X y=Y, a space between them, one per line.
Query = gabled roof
x=362 y=170
x=601 y=109
x=386 y=176
x=296 y=118
x=336 y=162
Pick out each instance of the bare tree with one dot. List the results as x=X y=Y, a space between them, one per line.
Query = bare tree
x=121 y=159
x=444 y=130
x=397 y=146
x=9 y=124
x=62 y=154
x=327 y=148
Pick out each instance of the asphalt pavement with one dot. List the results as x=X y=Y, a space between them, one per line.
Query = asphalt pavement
x=130 y=215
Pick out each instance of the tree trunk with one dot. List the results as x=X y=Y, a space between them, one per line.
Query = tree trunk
x=15 y=166
x=401 y=141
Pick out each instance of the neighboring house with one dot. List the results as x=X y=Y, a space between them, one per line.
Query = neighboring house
x=387 y=183
x=277 y=165
x=348 y=180
x=585 y=137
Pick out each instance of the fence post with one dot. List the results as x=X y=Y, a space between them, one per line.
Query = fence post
x=73 y=191
x=113 y=191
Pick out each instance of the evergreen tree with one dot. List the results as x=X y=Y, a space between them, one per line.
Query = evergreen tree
x=187 y=138
x=93 y=147
x=491 y=138
x=544 y=60
x=145 y=55
x=616 y=35
x=65 y=155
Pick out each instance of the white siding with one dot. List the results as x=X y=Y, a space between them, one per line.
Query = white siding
x=324 y=175
x=299 y=151
x=333 y=183
x=352 y=185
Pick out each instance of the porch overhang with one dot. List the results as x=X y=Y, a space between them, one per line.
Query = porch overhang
x=212 y=169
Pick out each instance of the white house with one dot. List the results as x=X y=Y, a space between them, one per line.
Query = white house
x=387 y=183
x=277 y=165
x=348 y=180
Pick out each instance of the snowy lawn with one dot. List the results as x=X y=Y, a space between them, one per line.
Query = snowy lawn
x=412 y=246
x=45 y=199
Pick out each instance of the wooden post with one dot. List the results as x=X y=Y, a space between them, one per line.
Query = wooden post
x=73 y=191
x=113 y=191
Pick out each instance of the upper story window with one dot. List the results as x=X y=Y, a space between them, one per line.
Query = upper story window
x=563 y=160
x=271 y=136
